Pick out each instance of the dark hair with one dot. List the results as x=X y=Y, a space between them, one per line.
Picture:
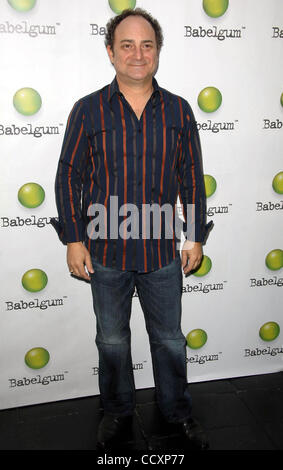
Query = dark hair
x=113 y=23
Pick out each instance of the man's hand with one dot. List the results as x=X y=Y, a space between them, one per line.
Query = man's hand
x=78 y=258
x=192 y=252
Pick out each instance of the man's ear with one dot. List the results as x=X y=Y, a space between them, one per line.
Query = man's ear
x=110 y=54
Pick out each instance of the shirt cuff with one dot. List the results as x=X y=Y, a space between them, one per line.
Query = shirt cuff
x=61 y=232
x=198 y=234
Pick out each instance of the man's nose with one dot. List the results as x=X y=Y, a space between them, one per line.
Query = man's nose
x=138 y=52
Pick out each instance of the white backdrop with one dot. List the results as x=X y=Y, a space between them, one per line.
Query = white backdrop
x=47 y=325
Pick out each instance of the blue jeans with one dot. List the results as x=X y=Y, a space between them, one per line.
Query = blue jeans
x=160 y=294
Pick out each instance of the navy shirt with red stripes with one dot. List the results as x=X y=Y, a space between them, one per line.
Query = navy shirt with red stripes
x=114 y=161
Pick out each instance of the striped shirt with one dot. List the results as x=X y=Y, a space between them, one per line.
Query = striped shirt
x=113 y=165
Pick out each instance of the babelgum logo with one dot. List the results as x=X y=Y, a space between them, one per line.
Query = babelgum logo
x=34 y=280
x=27 y=101
x=119 y=5
x=215 y=8
x=37 y=358
x=274 y=259
x=196 y=338
x=209 y=99
x=281 y=99
x=277 y=183
x=31 y=195
x=22 y=5
x=210 y=185
x=204 y=268
x=269 y=331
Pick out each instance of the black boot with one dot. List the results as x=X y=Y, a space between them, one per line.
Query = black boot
x=195 y=434
x=110 y=427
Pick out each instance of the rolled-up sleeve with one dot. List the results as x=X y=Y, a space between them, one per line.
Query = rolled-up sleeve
x=70 y=225
x=191 y=178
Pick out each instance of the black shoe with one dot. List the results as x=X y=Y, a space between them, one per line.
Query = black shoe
x=195 y=434
x=110 y=427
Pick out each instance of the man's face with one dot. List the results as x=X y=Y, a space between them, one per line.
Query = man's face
x=134 y=54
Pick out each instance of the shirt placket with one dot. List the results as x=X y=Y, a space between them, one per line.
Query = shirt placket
x=140 y=176
x=141 y=155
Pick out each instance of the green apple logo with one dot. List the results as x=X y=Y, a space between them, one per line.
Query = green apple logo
x=119 y=5
x=215 y=8
x=37 y=358
x=196 y=338
x=210 y=185
x=27 y=101
x=34 y=280
x=274 y=259
x=269 y=331
x=22 y=5
x=277 y=183
x=209 y=99
x=204 y=268
x=31 y=195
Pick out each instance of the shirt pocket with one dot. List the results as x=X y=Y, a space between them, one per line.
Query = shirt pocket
x=173 y=144
x=103 y=149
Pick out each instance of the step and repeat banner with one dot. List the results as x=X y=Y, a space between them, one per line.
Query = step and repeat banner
x=225 y=58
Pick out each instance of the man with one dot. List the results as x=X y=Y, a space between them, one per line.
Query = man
x=134 y=145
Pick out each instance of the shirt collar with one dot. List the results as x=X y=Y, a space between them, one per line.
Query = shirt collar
x=114 y=88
